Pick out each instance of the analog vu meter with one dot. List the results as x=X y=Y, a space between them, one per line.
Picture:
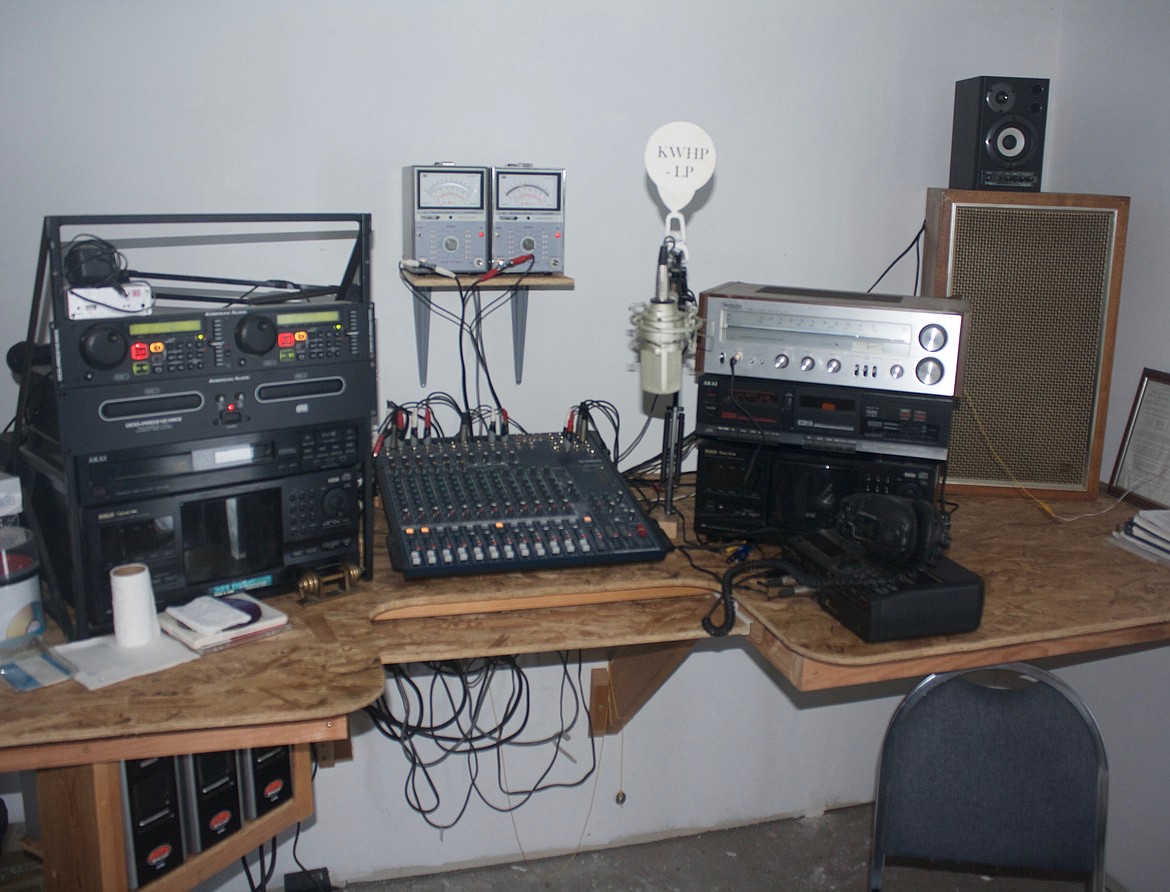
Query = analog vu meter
x=528 y=216
x=445 y=216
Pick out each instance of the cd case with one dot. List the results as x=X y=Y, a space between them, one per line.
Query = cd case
x=210 y=623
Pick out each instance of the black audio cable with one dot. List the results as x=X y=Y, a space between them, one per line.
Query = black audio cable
x=917 y=245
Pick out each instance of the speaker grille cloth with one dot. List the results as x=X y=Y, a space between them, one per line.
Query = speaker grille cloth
x=1037 y=283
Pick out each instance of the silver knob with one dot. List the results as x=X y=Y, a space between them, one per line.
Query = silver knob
x=896 y=372
x=834 y=366
x=781 y=361
x=808 y=364
x=929 y=371
x=933 y=337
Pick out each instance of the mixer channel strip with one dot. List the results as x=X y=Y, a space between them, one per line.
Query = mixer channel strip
x=510 y=503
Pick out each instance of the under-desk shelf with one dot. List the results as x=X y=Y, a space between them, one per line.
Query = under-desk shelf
x=425 y=287
x=86 y=849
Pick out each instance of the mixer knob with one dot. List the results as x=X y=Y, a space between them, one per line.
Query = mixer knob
x=808 y=364
x=256 y=334
x=933 y=337
x=781 y=361
x=103 y=346
x=929 y=371
x=834 y=366
x=896 y=372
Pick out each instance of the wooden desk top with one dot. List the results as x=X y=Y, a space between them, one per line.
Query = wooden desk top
x=1051 y=588
x=294 y=687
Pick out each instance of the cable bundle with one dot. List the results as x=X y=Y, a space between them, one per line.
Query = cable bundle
x=470 y=711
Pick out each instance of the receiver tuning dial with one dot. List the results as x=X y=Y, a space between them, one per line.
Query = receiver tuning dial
x=256 y=334
x=103 y=346
x=933 y=337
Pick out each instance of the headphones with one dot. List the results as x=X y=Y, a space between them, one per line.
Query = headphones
x=894 y=530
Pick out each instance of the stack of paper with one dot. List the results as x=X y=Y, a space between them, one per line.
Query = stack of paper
x=1147 y=534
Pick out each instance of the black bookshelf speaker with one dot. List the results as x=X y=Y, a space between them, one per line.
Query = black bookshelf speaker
x=1042 y=275
x=997 y=135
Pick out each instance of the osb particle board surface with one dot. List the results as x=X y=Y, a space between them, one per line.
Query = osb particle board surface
x=1043 y=580
x=319 y=668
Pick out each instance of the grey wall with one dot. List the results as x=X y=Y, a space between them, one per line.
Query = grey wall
x=830 y=119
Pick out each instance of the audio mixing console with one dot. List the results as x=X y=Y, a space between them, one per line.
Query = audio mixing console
x=509 y=503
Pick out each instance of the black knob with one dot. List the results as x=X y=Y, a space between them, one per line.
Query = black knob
x=103 y=346
x=334 y=503
x=256 y=334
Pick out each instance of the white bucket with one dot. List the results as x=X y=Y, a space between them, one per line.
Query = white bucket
x=21 y=614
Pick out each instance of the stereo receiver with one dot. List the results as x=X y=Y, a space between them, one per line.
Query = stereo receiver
x=878 y=341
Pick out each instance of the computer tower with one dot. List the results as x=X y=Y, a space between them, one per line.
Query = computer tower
x=153 y=822
x=210 y=797
x=265 y=779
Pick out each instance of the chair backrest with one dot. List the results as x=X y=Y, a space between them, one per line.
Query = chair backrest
x=995 y=768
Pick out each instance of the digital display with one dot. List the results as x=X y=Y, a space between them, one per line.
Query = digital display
x=826 y=404
x=308 y=318
x=180 y=326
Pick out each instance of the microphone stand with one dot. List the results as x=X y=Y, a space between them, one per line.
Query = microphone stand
x=673 y=420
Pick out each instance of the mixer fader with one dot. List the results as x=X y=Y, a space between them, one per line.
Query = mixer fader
x=516 y=502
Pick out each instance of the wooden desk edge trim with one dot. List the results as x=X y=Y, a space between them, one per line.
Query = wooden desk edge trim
x=170 y=743
x=389 y=612
x=808 y=674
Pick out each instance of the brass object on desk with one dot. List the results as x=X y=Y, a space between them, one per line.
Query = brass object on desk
x=311 y=584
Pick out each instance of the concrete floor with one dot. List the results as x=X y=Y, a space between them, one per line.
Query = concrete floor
x=800 y=855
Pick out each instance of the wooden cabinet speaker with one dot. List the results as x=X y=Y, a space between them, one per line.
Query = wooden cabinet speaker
x=1042 y=275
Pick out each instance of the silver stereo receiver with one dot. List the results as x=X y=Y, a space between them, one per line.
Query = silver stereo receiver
x=841 y=338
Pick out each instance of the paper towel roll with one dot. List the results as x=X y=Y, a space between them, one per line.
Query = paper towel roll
x=135 y=613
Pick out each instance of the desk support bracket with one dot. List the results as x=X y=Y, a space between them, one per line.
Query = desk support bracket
x=424 y=288
x=634 y=673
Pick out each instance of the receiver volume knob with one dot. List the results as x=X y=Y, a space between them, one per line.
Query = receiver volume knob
x=256 y=334
x=103 y=346
x=930 y=371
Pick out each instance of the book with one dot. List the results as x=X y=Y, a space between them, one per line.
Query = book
x=214 y=622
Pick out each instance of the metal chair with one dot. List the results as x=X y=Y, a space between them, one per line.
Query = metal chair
x=1001 y=769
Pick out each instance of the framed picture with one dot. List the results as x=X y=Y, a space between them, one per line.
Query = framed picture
x=1142 y=470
